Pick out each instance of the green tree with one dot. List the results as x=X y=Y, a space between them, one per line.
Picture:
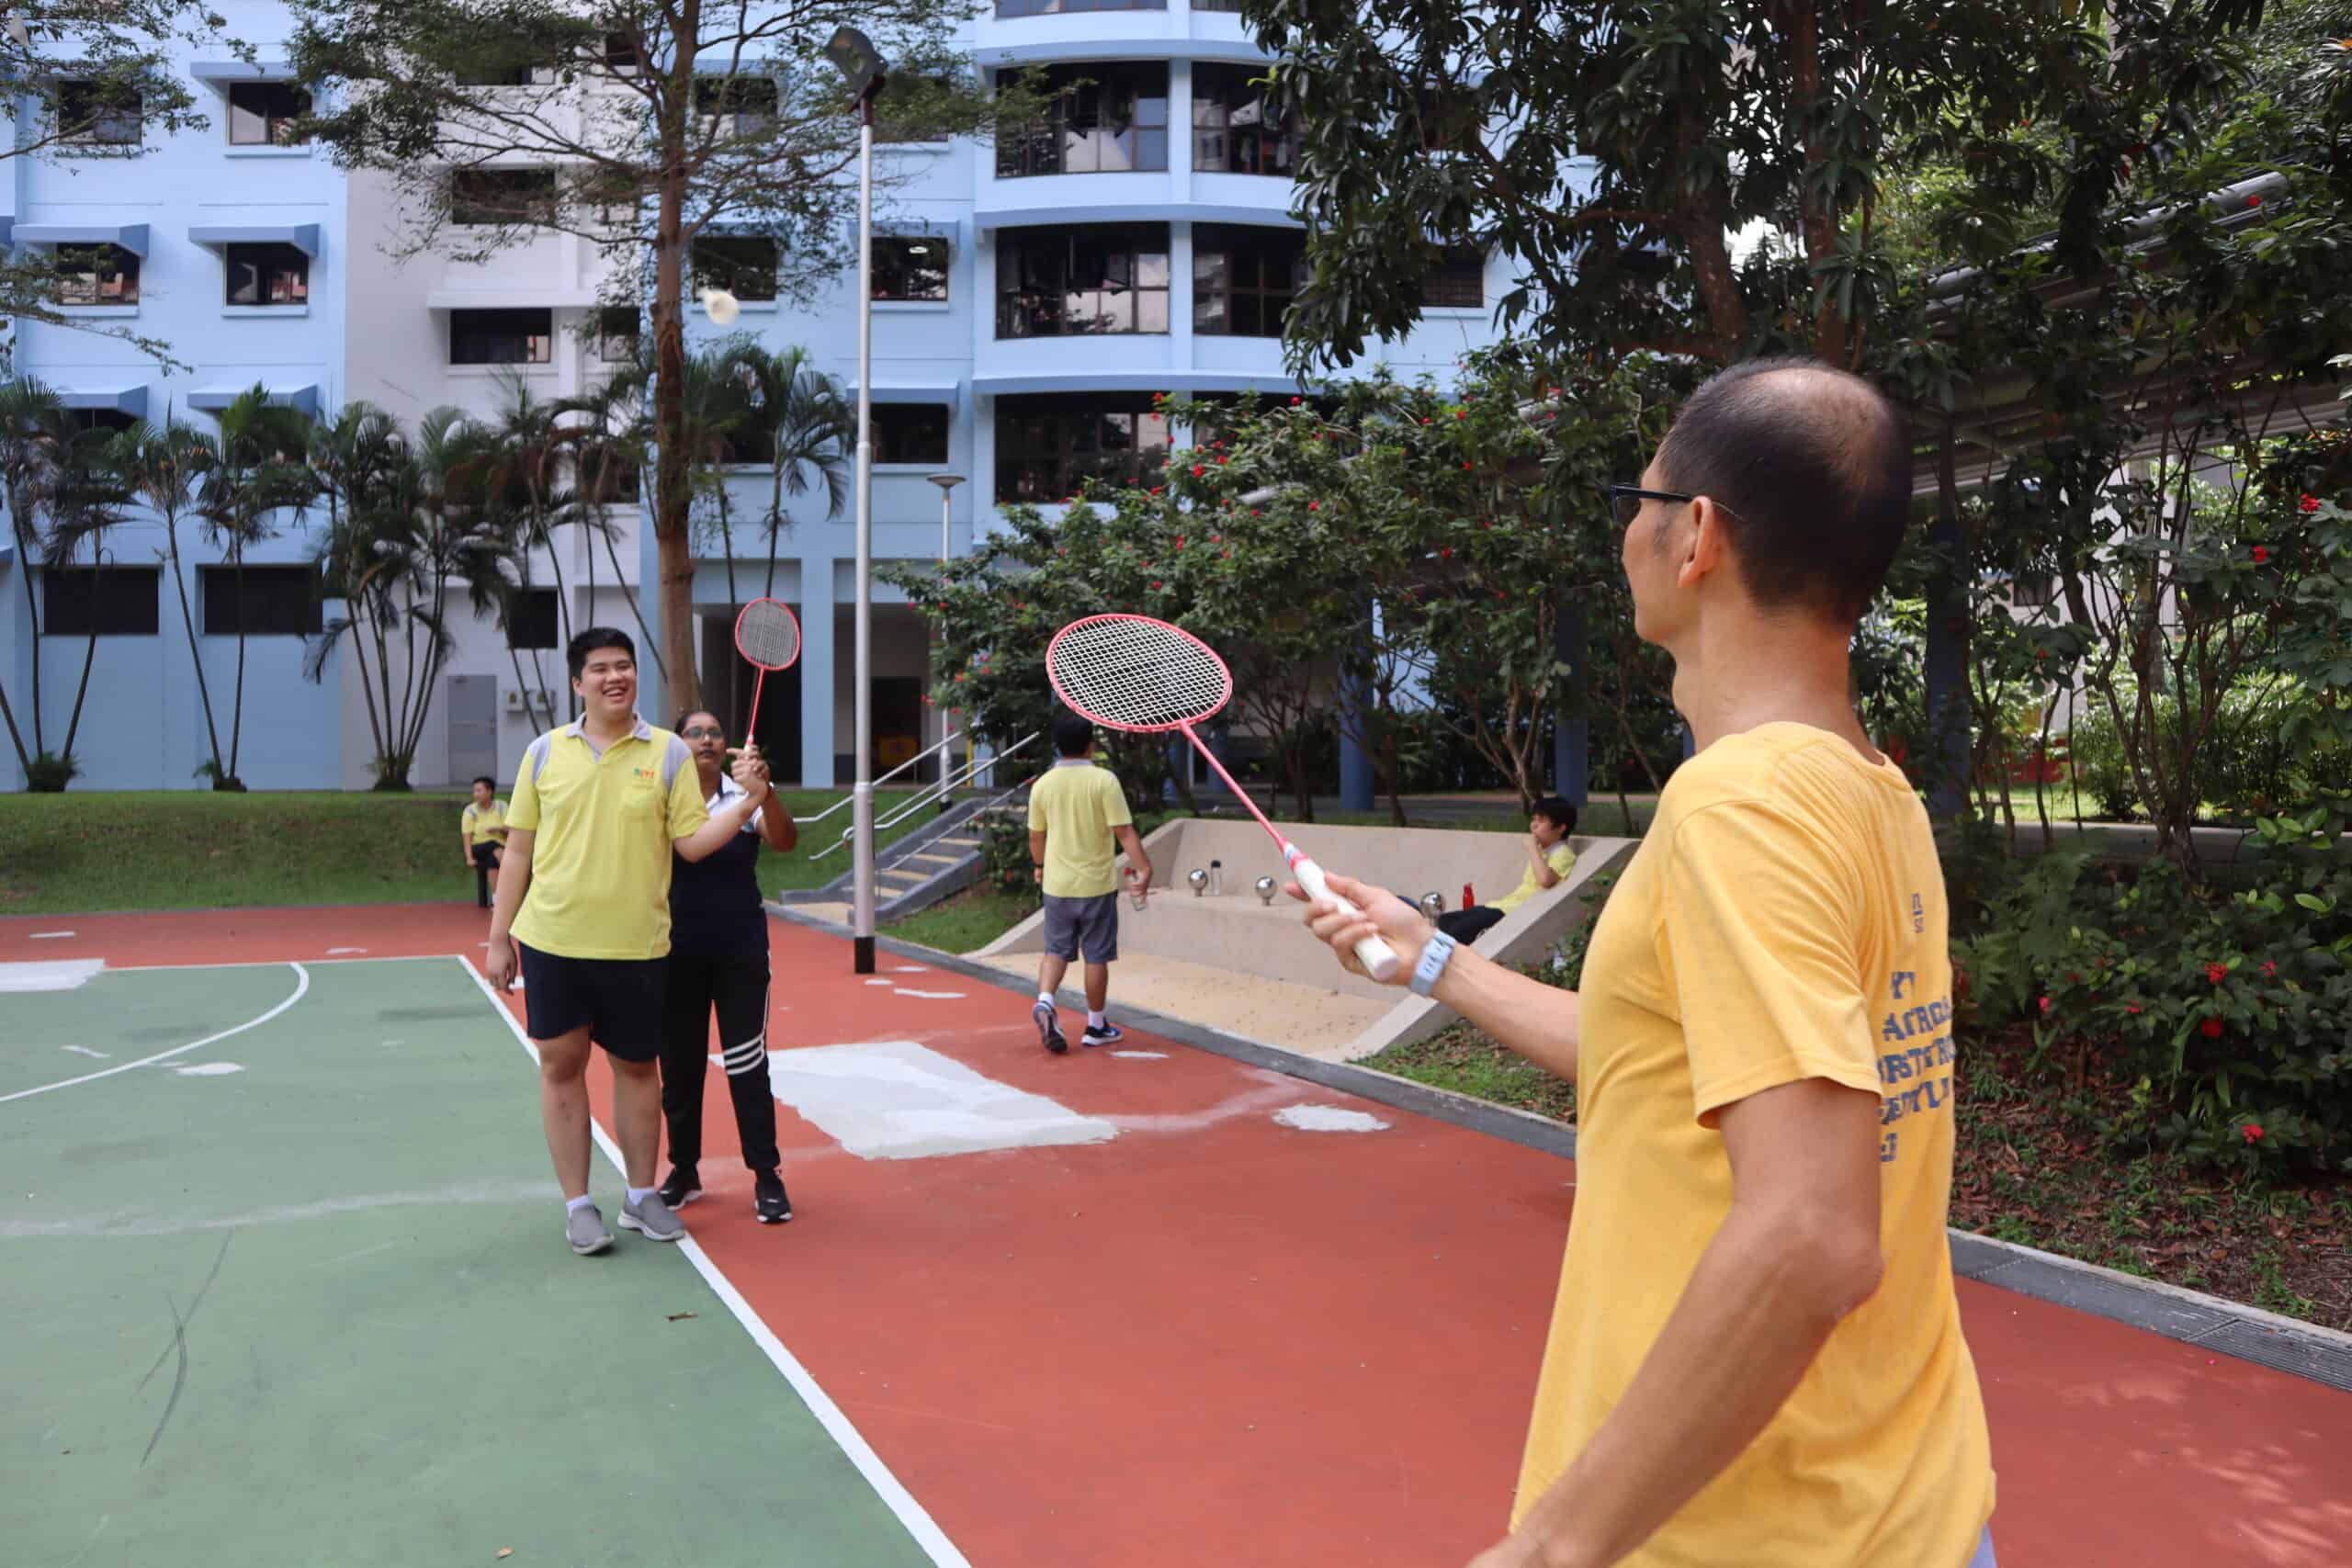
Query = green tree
x=804 y=422
x=164 y=465
x=31 y=435
x=88 y=501
x=257 y=470
x=608 y=441
x=661 y=123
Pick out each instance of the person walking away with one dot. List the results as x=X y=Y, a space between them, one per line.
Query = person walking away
x=1078 y=822
x=718 y=961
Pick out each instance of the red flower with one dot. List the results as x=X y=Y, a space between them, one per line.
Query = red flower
x=2210 y=1029
x=2269 y=970
x=1314 y=506
x=1293 y=402
x=2309 y=503
x=2216 y=973
x=2133 y=1007
x=1198 y=469
x=1446 y=554
x=2045 y=1006
x=2042 y=653
x=2260 y=554
x=1156 y=585
x=1425 y=419
x=1180 y=541
x=1224 y=460
x=1217 y=538
x=1465 y=468
x=1502 y=593
x=2251 y=1132
x=1461 y=414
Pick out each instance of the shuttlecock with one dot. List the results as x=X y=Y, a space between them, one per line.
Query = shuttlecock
x=719 y=305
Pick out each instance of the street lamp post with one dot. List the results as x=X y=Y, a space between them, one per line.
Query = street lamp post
x=946 y=483
x=853 y=54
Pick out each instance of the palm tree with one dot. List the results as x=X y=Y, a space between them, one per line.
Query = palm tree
x=803 y=418
x=31 y=426
x=258 y=468
x=88 y=499
x=608 y=451
x=523 y=454
x=164 y=465
x=716 y=410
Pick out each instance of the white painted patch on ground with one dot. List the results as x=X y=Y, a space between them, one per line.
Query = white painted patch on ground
x=1142 y=1056
x=85 y=1051
x=50 y=936
x=881 y=982
x=1329 y=1119
x=339 y=951
x=149 y=1222
x=909 y=969
x=49 y=975
x=927 y=996
x=208 y=1070
x=899 y=1099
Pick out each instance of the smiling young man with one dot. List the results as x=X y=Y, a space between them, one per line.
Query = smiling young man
x=1756 y=1356
x=583 y=910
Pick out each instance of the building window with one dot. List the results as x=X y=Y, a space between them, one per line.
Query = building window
x=740 y=106
x=1080 y=282
x=1046 y=448
x=104 y=601
x=531 y=618
x=261 y=114
x=1065 y=7
x=910 y=266
x=99 y=422
x=530 y=73
x=1244 y=279
x=1101 y=120
x=260 y=601
x=96 y=275
x=501 y=337
x=98 y=114
x=2032 y=589
x=268 y=274
x=621 y=54
x=488 y=198
x=911 y=432
x=618 y=333
x=1235 y=131
x=1456 y=280
x=1231 y=7
x=743 y=264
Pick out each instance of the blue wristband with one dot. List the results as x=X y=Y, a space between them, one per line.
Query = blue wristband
x=1435 y=956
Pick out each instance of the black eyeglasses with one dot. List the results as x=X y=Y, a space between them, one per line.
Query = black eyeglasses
x=1625 y=501
x=704 y=732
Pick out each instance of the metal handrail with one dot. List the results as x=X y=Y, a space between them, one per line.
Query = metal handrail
x=936 y=792
x=886 y=778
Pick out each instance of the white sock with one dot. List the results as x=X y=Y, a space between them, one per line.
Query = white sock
x=1047 y=998
x=573 y=1205
x=639 y=1194
x=1095 y=1021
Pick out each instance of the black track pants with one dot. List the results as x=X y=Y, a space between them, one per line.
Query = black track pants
x=738 y=987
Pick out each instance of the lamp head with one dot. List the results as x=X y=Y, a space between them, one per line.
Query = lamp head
x=854 y=56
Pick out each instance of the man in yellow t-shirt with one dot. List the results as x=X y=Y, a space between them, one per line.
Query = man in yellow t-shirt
x=1756 y=1355
x=583 y=913
x=482 y=833
x=1078 y=823
x=1549 y=861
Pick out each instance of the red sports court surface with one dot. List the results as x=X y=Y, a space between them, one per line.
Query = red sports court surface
x=1218 y=1339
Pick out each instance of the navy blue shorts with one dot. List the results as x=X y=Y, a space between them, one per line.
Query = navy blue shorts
x=619 y=998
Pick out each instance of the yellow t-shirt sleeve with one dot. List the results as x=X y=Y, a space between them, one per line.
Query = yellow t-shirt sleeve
x=687 y=812
x=1562 y=859
x=1114 y=801
x=523 y=811
x=1037 y=793
x=1761 y=926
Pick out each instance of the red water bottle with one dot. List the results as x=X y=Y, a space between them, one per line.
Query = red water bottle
x=1469 y=896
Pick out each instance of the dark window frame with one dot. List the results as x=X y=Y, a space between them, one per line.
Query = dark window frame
x=72 y=596
x=614 y=345
x=1035 y=289
x=1091 y=107
x=745 y=103
x=117 y=117
x=1219 y=146
x=1252 y=291
x=898 y=427
x=534 y=325
x=1010 y=10
x=744 y=278
x=1047 y=446
x=1457 y=279
x=272 y=263
x=124 y=264
x=895 y=279
x=531 y=614
x=273 y=601
x=501 y=197
x=277 y=123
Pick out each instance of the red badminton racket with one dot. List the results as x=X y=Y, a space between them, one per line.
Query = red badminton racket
x=1144 y=677
x=767 y=633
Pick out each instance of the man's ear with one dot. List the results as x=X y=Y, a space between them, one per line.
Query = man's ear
x=1705 y=545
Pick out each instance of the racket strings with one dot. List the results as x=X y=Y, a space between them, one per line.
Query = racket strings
x=766 y=634
x=1137 y=674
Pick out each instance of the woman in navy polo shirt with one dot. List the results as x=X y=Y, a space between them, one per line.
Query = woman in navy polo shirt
x=718 y=960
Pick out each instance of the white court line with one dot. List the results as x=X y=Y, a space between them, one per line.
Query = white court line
x=302 y=986
x=893 y=1492
x=49 y=936
x=278 y=962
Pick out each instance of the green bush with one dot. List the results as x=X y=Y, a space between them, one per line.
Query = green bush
x=1004 y=858
x=2249 y=765
x=49 y=774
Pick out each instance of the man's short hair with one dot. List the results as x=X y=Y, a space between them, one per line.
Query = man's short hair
x=1073 y=735
x=487 y=782
x=1555 y=811
x=595 y=639
x=1814 y=466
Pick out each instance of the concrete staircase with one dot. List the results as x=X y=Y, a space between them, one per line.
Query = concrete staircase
x=940 y=858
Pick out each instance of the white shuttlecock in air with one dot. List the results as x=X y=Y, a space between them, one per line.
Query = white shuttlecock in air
x=719 y=305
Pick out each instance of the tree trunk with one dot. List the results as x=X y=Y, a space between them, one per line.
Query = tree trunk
x=672 y=488
x=15 y=737
x=195 y=658
x=82 y=691
x=24 y=559
x=237 y=710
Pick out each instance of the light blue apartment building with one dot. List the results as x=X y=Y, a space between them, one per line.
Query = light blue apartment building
x=1031 y=296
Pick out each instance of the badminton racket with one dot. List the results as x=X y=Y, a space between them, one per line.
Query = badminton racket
x=767 y=633
x=1144 y=677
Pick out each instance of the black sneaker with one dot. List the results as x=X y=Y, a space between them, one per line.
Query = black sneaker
x=1108 y=1034
x=683 y=1187
x=767 y=1191
x=1049 y=1027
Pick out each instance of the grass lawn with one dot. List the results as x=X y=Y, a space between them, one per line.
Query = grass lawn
x=2028 y=1168
x=95 y=853
x=963 y=923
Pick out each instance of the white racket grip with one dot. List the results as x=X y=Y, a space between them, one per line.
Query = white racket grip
x=1379 y=959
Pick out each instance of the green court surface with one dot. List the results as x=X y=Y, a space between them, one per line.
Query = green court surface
x=318 y=1309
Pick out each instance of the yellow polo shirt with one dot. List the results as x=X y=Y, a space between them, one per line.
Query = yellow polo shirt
x=1783 y=920
x=1559 y=857
x=1075 y=804
x=485 y=825
x=604 y=825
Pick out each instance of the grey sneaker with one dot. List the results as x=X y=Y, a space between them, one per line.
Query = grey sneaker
x=1049 y=1027
x=652 y=1219
x=584 y=1228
